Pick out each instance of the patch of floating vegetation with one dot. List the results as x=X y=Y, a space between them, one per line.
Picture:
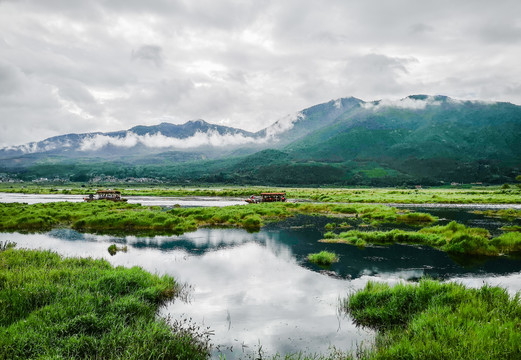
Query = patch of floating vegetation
x=452 y=238
x=113 y=249
x=324 y=258
x=511 y=228
x=508 y=214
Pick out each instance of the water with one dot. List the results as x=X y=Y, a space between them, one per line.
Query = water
x=257 y=289
x=186 y=201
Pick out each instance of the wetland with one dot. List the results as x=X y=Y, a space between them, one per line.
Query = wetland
x=254 y=287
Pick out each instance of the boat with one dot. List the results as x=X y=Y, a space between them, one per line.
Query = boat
x=111 y=195
x=267 y=197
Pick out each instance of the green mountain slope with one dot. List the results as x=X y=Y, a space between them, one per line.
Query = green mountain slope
x=421 y=139
x=446 y=141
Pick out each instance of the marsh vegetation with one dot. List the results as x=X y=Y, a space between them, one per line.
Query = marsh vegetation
x=433 y=320
x=446 y=195
x=109 y=216
x=55 y=307
x=324 y=258
x=452 y=238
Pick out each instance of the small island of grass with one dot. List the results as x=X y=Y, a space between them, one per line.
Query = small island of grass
x=452 y=238
x=324 y=258
x=113 y=249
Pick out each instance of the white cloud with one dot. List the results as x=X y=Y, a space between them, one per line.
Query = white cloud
x=406 y=103
x=284 y=124
x=110 y=65
x=158 y=140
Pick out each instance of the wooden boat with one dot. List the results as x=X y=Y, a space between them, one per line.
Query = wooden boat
x=267 y=197
x=111 y=195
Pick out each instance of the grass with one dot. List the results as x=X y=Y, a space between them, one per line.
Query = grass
x=324 y=258
x=511 y=228
x=508 y=214
x=71 y=308
x=432 y=320
x=475 y=195
x=113 y=249
x=103 y=216
x=452 y=238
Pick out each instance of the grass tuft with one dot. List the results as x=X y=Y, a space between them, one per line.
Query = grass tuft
x=113 y=249
x=325 y=258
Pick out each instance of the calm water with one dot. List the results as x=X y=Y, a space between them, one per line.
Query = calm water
x=257 y=289
x=143 y=200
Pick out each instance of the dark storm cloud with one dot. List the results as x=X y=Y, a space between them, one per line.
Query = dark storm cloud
x=107 y=65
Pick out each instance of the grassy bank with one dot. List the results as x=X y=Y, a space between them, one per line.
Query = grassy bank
x=439 y=321
x=475 y=195
x=452 y=238
x=110 y=216
x=71 y=308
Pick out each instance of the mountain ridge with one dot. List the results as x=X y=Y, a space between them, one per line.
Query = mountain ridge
x=419 y=138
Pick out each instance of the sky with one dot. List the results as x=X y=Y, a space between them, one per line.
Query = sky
x=104 y=65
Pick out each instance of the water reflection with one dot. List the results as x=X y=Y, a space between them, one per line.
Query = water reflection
x=249 y=288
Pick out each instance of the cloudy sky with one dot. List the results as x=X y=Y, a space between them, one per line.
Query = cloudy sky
x=99 y=65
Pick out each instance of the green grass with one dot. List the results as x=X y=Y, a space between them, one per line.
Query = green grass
x=452 y=238
x=432 y=320
x=508 y=214
x=71 y=308
x=325 y=258
x=103 y=216
x=113 y=249
x=511 y=228
x=476 y=195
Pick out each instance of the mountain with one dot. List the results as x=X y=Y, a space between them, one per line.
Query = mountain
x=193 y=140
x=425 y=137
x=295 y=126
x=419 y=139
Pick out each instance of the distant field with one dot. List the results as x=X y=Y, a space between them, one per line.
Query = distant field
x=470 y=195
